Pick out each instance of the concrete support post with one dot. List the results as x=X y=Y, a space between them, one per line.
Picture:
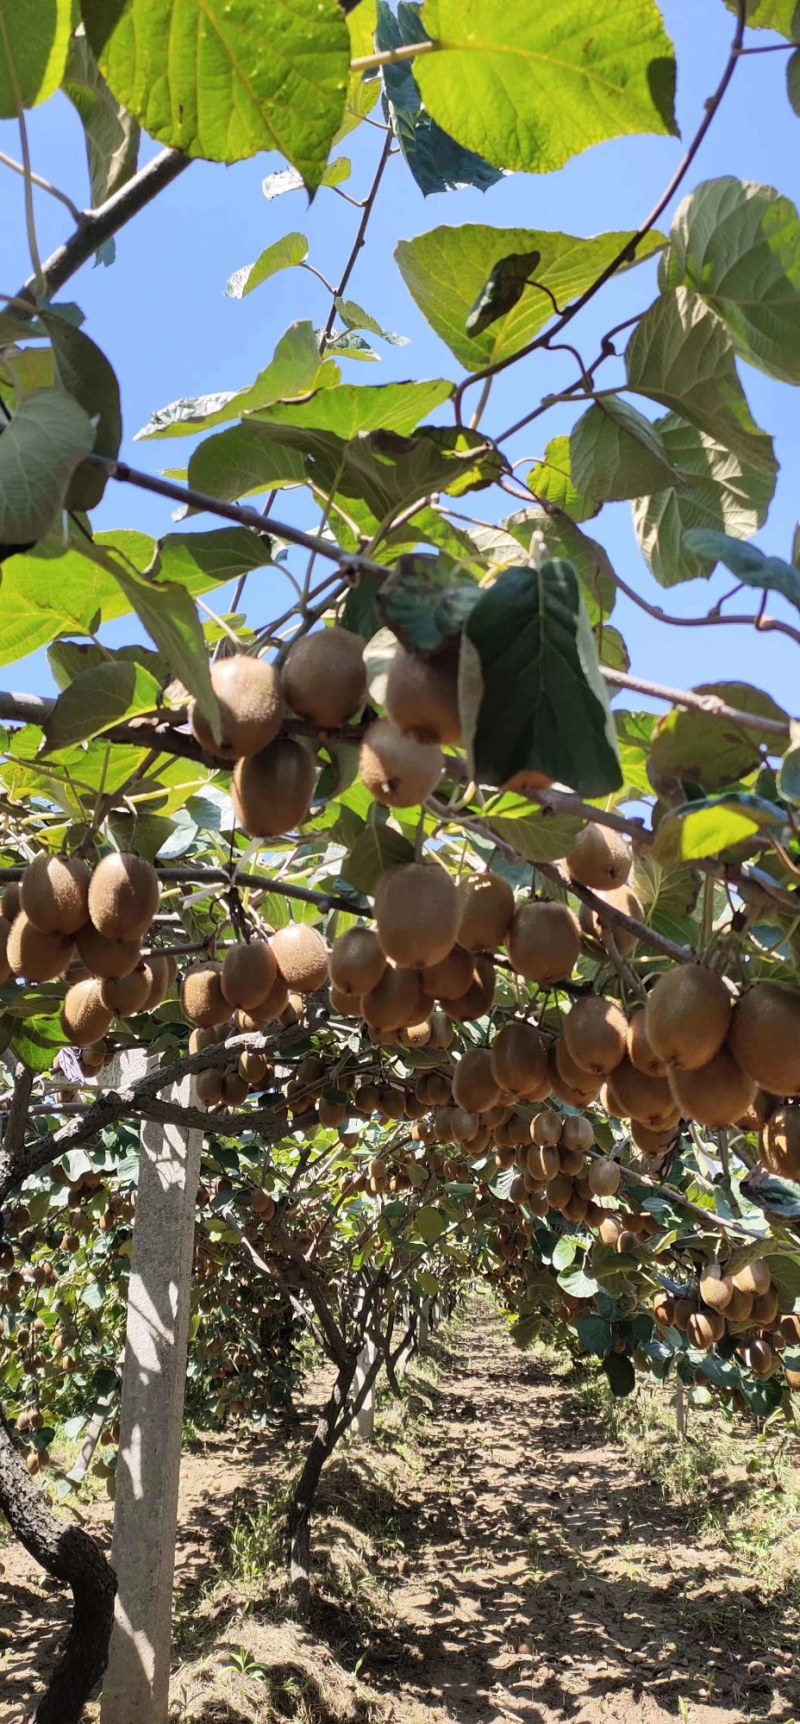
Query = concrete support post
x=403 y=1359
x=423 y=1327
x=136 y=1688
x=365 y=1420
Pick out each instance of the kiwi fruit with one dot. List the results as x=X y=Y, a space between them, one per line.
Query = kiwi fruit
x=441 y=1029
x=633 y=1095
x=604 y=1177
x=451 y=977
x=84 y=1015
x=600 y=859
x=739 y=1307
x=342 y=1004
x=209 y=1086
x=474 y=1083
x=10 y=903
x=780 y=1142
x=714 y=1094
x=716 y=1288
x=545 y=1128
x=416 y=914
x=764 y=1037
x=54 y=893
x=416 y=1035
x=396 y=1000
x=107 y=958
x=593 y=922
x=705 y=1327
x=398 y=771
x=301 y=956
x=356 y=962
x=123 y=896
x=234 y=1087
x=5 y=967
x=422 y=695
x=486 y=906
x=765 y=1307
x=687 y=1016
x=248 y=692
x=640 y=1053
x=754 y=1278
x=331 y=1112
x=595 y=1033
x=264 y=1204
x=126 y=995
x=577 y=1133
x=519 y=1061
x=271 y=1008
x=324 y=678
x=477 y=999
x=544 y=942
x=36 y=956
x=759 y=1357
x=272 y=791
x=161 y=972
x=564 y=1070
x=248 y=972
x=649 y=1141
x=202 y=998
x=200 y=1039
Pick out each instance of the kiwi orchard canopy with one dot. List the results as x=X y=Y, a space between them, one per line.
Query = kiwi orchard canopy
x=376 y=871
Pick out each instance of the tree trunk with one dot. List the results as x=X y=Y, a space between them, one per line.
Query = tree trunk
x=67 y=1554
x=305 y=1491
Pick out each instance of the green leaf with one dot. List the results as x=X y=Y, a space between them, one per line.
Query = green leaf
x=552 y=480
x=86 y=375
x=40 y=449
x=503 y=290
x=563 y=539
x=620 y=1373
x=98 y=699
x=240 y=462
x=353 y=408
x=774 y=1195
x=793 y=81
x=296 y=369
x=681 y=355
x=445 y=271
x=430 y=1224
x=170 y=616
x=376 y=848
x=702 y=748
x=112 y=134
x=780 y=15
x=577 y=1283
x=718 y=490
x=749 y=564
x=668 y=895
x=565 y=1251
x=420 y=604
x=536 y=837
x=616 y=453
x=286 y=253
x=194 y=560
x=37 y=1042
x=528 y=87
x=354 y=316
x=712 y=826
x=436 y=161
x=543 y=706
x=225 y=82
x=337 y=173
x=788 y=780
x=595 y=1335
x=738 y=246
x=34 y=41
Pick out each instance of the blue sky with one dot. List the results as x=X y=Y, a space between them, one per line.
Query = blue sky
x=161 y=315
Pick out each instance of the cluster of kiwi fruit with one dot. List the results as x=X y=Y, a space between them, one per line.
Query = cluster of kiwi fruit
x=744 y=1304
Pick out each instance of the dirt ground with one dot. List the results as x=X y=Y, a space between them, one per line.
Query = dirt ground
x=492 y=1559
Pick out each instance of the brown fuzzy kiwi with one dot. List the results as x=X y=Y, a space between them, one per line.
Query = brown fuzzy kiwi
x=202 y=998
x=546 y=1127
x=84 y=1015
x=441 y=1030
x=108 y=959
x=716 y=1288
x=200 y=1039
x=633 y=1095
x=486 y=906
x=593 y=922
x=479 y=995
x=344 y=1005
x=331 y=1112
x=416 y=914
x=356 y=962
x=604 y=1177
x=564 y=1070
x=687 y=1016
x=301 y=956
x=395 y=1001
x=36 y=956
x=158 y=968
x=765 y=1307
x=764 y=1037
x=754 y=1278
x=209 y=1086
x=416 y=1035
x=422 y=695
x=640 y=1053
x=248 y=972
x=739 y=1307
x=324 y=678
x=127 y=995
x=650 y=1142
x=714 y=1094
x=577 y=1132
x=5 y=967
x=780 y=1142
x=544 y=941
x=398 y=771
x=251 y=707
x=595 y=1033
x=664 y=1309
x=234 y=1087
x=272 y=791
x=519 y=1061
x=790 y=1328
x=759 y=1357
x=253 y=1066
x=705 y=1327
x=600 y=858
x=123 y=896
x=272 y=1007
x=11 y=903
x=474 y=1083
x=54 y=893
x=450 y=978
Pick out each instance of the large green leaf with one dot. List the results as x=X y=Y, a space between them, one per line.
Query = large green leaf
x=112 y=134
x=436 y=161
x=97 y=699
x=296 y=369
x=354 y=408
x=239 y=462
x=701 y=748
x=225 y=554
x=376 y=848
x=529 y=84
x=681 y=355
x=536 y=837
x=286 y=253
x=40 y=449
x=617 y=453
x=34 y=41
x=711 y=827
x=224 y=81
x=421 y=605
x=553 y=481
x=86 y=375
x=717 y=490
x=542 y=705
x=749 y=564
x=738 y=246
x=563 y=538
x=780 y=15
x=447 y=269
